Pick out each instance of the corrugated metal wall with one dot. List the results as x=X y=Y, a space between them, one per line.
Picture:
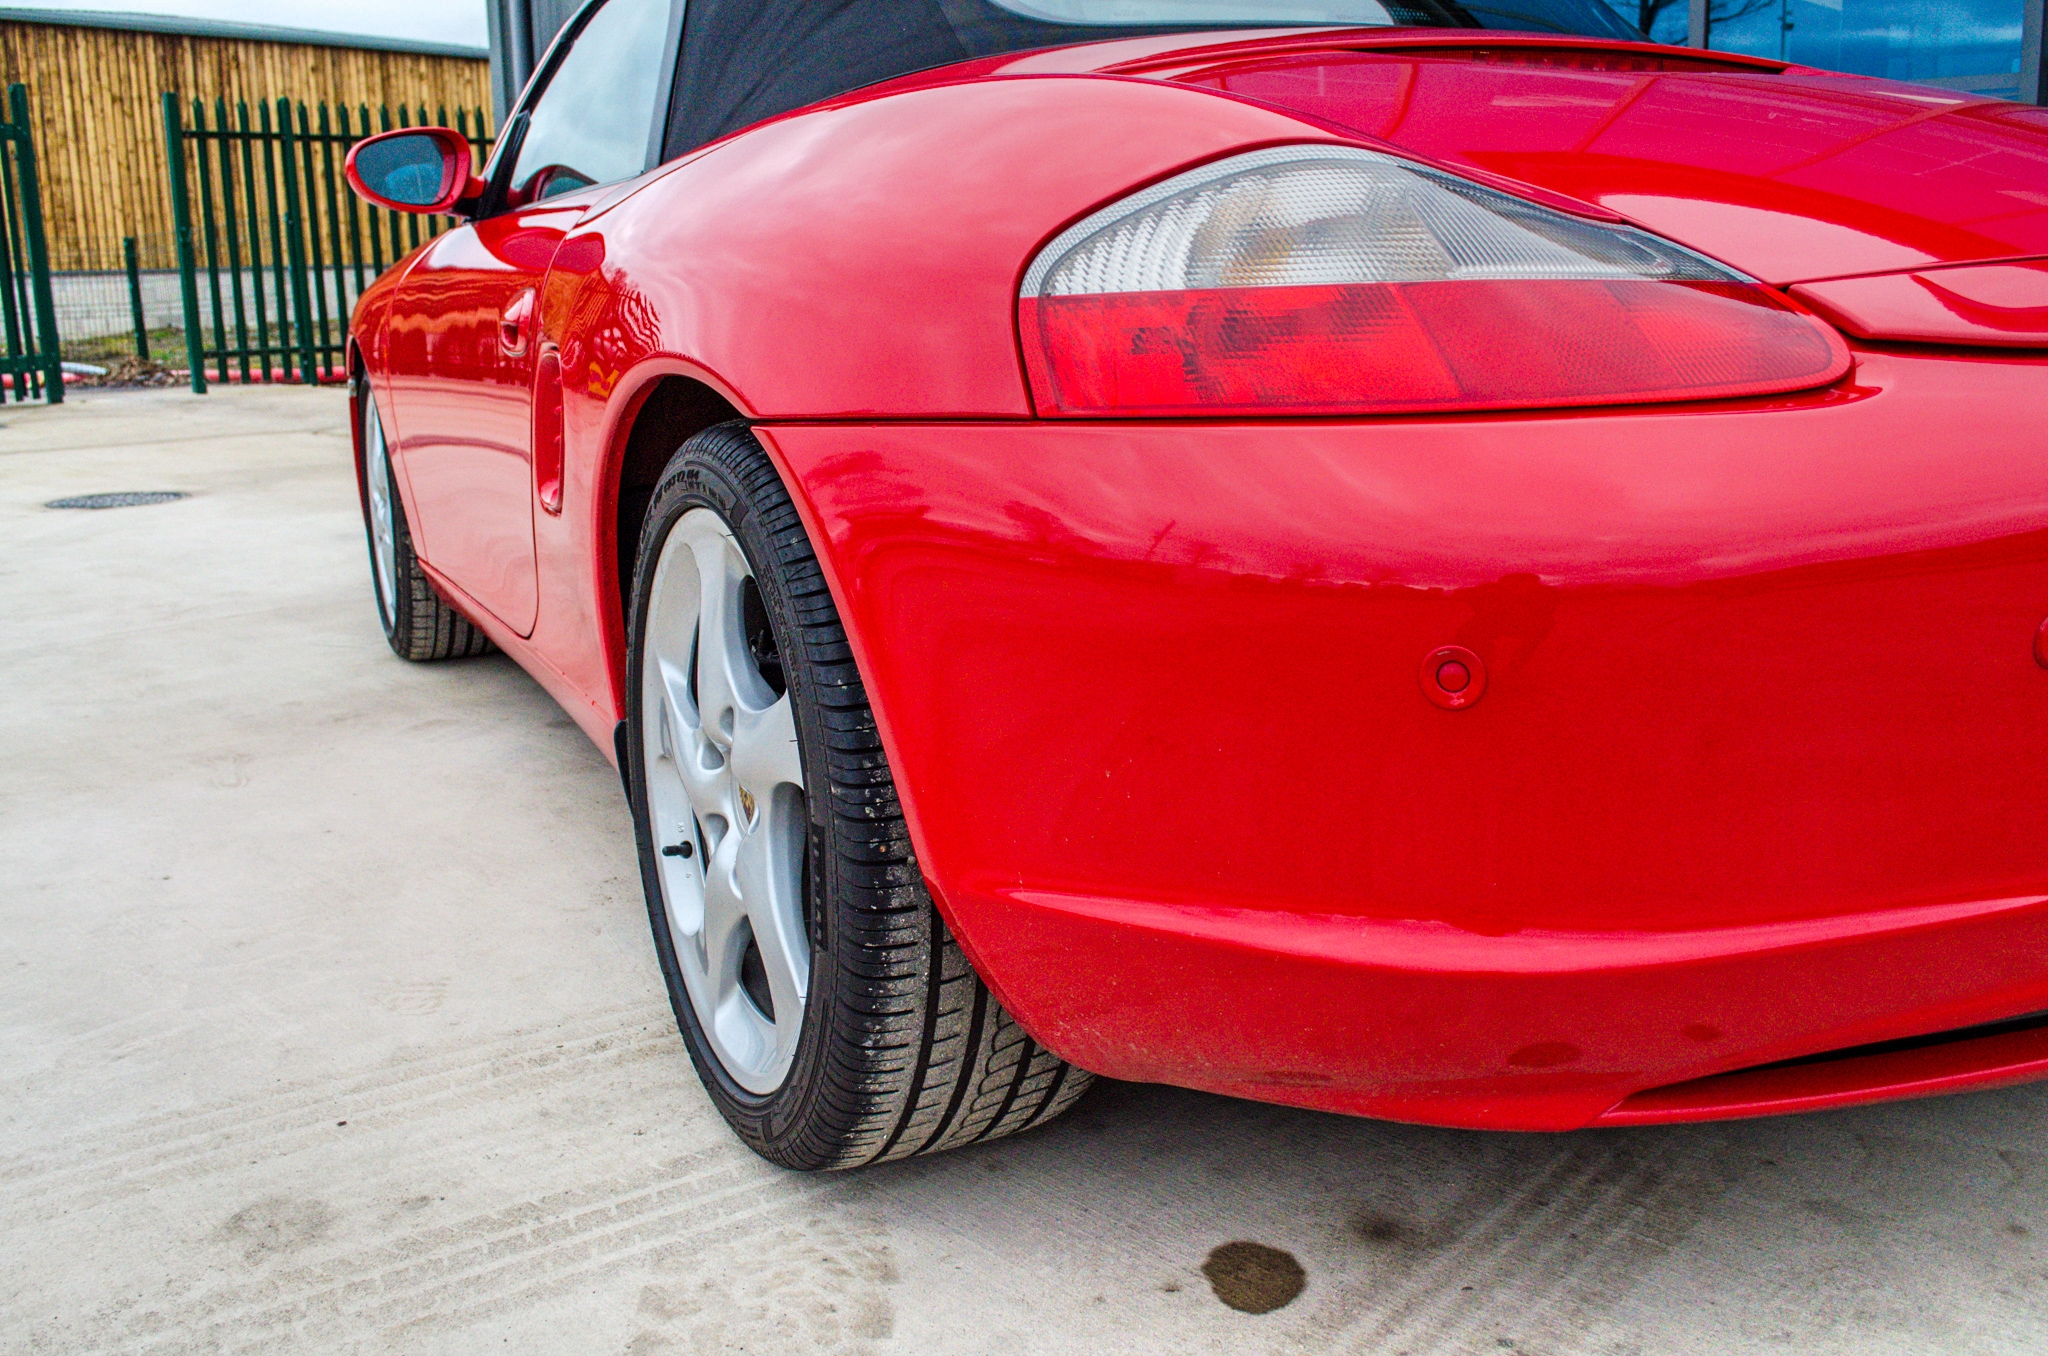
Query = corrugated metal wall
x=96 y=97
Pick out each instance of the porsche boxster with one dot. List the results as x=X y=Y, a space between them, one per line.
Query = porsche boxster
x=1425 y=560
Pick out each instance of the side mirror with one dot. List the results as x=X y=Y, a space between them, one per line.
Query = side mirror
x=414 y=169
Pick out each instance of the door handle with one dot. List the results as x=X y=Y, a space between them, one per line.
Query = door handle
x=515 y=323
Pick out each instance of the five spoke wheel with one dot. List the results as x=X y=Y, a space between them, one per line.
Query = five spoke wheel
x=725 y=792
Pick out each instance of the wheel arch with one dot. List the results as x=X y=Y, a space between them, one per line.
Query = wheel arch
x=661 y=407
x=358 y=390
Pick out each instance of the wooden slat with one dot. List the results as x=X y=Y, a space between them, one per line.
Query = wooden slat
x=95 y=95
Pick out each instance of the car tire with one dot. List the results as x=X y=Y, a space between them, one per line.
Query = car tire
x=417 y=620
x=895 y=1047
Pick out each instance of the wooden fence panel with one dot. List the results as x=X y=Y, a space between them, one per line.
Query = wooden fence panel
x=100 y=132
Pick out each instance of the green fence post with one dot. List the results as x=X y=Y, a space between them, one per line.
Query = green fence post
x=38 y=251
x=15 y=307
x=209 y=234
x=335 y=193
x=133 y=262
x=319 y=269
x=181 y=218
x=247 y=141
x=295 y=243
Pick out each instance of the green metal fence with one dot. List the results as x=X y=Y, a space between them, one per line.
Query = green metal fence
x=30 y=364
x=273 y=248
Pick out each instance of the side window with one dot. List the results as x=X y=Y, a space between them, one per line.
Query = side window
x=592 y=121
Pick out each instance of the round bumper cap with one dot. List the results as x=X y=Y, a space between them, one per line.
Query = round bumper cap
x=1453 y=677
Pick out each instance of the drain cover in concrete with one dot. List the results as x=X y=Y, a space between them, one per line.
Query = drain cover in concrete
x=118 y=499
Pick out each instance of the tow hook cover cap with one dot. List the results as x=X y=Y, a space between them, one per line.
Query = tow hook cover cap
x=1453 y=677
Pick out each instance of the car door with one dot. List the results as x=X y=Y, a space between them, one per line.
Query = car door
x=461 y=339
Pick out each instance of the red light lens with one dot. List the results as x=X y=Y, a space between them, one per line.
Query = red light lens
x=1418 y=346
x=1322 y=279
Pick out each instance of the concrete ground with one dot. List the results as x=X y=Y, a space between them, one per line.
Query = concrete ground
x=329 y=1023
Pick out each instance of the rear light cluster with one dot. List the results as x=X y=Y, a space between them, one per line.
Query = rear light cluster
x=1333 y=280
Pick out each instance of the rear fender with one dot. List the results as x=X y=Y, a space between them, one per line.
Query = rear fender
x=886 y=259
x=856 y=262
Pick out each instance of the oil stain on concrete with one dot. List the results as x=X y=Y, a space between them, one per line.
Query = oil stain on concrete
x=1253 y=1278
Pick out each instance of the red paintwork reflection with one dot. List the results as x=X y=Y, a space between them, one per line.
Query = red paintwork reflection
x=1786 y=176
x=461 y=360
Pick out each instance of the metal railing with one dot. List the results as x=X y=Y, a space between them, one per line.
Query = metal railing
x=272 y=246
x=30 y=365
x=131 y=264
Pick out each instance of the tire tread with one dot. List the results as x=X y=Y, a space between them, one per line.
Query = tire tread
x=916 y=1054
x=425 y=627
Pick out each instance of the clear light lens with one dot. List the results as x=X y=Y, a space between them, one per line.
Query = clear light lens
x=1334 y=278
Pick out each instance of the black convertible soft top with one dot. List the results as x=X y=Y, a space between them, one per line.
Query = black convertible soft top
x=745 y=60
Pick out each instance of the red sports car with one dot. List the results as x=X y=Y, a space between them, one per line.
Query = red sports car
x=1394 y=556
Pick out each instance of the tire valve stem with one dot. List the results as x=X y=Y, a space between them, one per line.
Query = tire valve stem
x=676 y=850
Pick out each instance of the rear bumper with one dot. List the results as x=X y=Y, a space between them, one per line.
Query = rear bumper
x=1756 y=775
x=1423 y=1022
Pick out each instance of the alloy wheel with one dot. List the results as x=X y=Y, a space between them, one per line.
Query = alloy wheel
x=383 y=530
x=725 y=799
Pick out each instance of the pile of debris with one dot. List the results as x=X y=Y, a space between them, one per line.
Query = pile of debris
x=123 y=371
